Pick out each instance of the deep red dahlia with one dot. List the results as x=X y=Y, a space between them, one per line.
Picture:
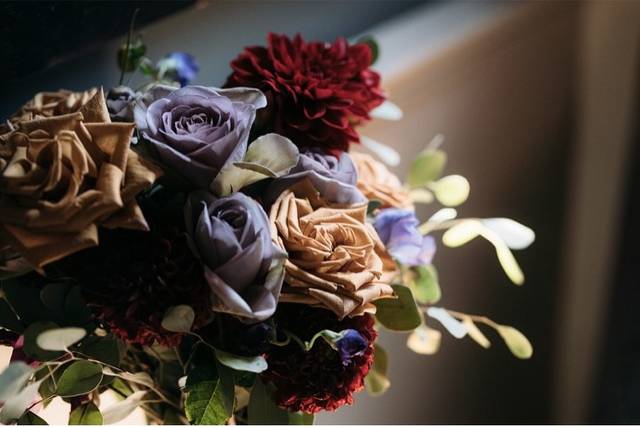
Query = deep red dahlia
x=318 y=379
x=133 y=277
x=317 y=92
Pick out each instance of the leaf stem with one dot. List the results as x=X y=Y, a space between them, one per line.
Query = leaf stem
x=128 y=48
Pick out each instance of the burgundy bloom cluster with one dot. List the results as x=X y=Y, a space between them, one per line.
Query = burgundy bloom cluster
x=317 y=92
x=321 y=378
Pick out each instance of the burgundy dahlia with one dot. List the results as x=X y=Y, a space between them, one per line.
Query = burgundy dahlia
x=322 y=378
x=317 y=92
x=133 y=277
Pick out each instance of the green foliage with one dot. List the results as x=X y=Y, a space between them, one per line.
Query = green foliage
x=426 y=286
x=106 y=350
x=86 y=414
x=254 y=364
x=31 y=419
x=301 y=418
x=81 y=377
x=427 y=167
x=210 y=395
x=400 y=313
x=262 y=409
x=178 y=318
x=516 y=341
x=60 y=339
x=376 y=381
x=129 y=56
x=31 y=347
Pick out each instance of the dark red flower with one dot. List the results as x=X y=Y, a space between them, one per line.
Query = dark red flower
x=317 y=92
x=133 y=277
x=319 y=379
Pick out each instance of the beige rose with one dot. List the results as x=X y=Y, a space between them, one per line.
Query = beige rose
x=61 y=176
x=376 y=182
x=336 y=259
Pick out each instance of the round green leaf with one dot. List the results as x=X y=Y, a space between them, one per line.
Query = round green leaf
x=79 y=378
x=31 y=347
x=424 y=340
x=376 y=381
x=178 y=319
x=451 y=190
x=254 y=364
x=426 y=168
x=516 y=341
x=60 y=339
x=400 y=313
x=426 y=286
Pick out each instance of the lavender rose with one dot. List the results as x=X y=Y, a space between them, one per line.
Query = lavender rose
x=231 y=237
x=197 y=130
x=398 y=230
x=334 y=178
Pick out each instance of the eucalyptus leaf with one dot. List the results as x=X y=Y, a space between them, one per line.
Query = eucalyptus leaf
x=262 y=409
x=178 y=319
x=421 y=195
x=451 y=190
x=426 y=285
x=426 y=167
x=31 y=419
x=121 y=410
x=400 y=313
x=15 y=406
x=512 y=233
x=516 y=341
x=105 y=350
x=255 y=364
x=86 y=414
x=60 y=339
x=31 y=347
x=13 y=378
x=453 y=325
x=210 y=401
x=475 y=333
x=301 y=418
x=53 y=296
x=376 y=381
x=81 y=377
x=424 y=340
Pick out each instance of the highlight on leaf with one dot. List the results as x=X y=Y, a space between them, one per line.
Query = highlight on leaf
x=424 y=340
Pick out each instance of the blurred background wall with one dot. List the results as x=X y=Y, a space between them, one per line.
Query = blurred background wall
x=537 y=101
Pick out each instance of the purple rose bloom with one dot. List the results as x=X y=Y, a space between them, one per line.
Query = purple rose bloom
x=352 y=344
x=334 y=178
x=197 y=130
x=398 y=230
x=231 y=237
x=179 y=66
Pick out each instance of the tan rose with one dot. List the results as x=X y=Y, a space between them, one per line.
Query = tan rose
x=63 y=175
x=336 y=259
x=377 y=182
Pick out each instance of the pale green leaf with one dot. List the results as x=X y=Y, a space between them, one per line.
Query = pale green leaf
x=516 y=341
x=426 y=168
x=120 y=410
x=86 y=414
x=462 y=233
x=376 y=381
x=426 y=286
x=475 y=333
x=385 y=153
x=60 y=339
x=512 y=233
x=421 y=195
x=424 y=340
x=451 y=190
x=301 y=418
x=178 y=318
x=400 y=313
x=451 y=324
x=386 y=111
x=262 y=409
x=255 y=364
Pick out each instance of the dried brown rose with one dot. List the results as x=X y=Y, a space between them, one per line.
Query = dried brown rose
x=336 y=259
x=61 y=176
x=377 y=182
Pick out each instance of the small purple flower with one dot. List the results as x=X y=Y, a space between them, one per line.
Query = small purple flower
x=350 y=345
x=179 y=66
x=196 y=130
x=398 y=230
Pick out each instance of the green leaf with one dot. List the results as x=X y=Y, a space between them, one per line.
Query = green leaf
x=31 y=419
x=516 y=341
x=255 y=364
x=373 y=45
x=120 y=410
x=269 y=156
x=80 y=378
x=77 y=313
x=301 y=418
x=13 y=379
x=376 y=381
x=262 y=409
x=178 y=318
x=400 y=313
x=129 y=56
x=451 y=190
x=31 y=347
x=86 y=414
x=147 y=67
x=60 y=339
x=105 y=350
x=53 y=296
x=426 y=168
x=424 y=340
x=426 y=286
x=210 y=401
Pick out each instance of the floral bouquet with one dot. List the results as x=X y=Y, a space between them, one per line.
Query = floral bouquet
x=217 y=255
